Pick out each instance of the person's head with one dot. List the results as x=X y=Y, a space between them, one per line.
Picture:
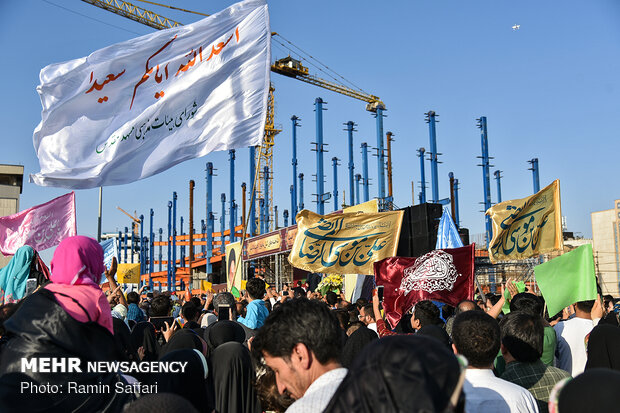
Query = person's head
x=465 y=305
x=232 y=265
x=256 y=288
x=425 y=313
x=224 y=298
x=367 y=314
x=160 y=306
x=331 y=298
x=522 y=336
x=190 y=312
x=584 y=307
x=361 y=302
x=609 y=302
x=353 y=327
x=133 y=298
x=528 y=303
x=77 y=260
x=196 y=301
x=476 y=336
x=299 y=341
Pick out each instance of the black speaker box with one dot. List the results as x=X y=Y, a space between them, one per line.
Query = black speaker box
x=419 y=230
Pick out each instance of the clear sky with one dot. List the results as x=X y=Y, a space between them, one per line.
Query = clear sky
x=549 y=90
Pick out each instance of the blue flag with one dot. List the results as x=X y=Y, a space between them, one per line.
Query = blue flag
x=447 y=234
x=110 y=249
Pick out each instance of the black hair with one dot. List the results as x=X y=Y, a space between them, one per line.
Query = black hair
x=522 y=334
x=256 y=288
x=161 y=306
x=331 y=298
x=607 y=298
x=369 y=310
x=476 y=336
x=585 y=306
x=225 y=298
x=300 y=321
x=133 y=298
x=343 y=318
x=196 y=301
x=493 y=298
x=361 y=302
x=528 y=303
x=426 y=313
x=189 y=311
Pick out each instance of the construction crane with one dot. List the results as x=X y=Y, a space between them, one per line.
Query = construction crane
x=135 y=221
x=287 y=66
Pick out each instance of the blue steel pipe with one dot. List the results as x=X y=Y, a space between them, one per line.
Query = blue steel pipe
x=151 y=248
x=381 y=155
x=161 y=257
x=169 y=242
x=295 y=122
x=456 y=203
x=261 y=203
x=182 y=258
x=252 y=195
x=223 y=223
x=142 y=250
x=320 y=202
x=335 y=193
x=125 y=252
x=203 y=229
x=210 y=229
x=350 y=130
x=422 y=177
x=301 y=192
x=266 y=197
x=358 y=178
x=231 y=201
x=432 y=132
x=120 y=245
x=174 y=241
x=535 y=174
x=285 y=216
x=486 y=179
x=498 y=178
x=365 y=171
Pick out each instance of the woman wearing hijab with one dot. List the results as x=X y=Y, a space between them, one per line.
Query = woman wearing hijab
x=191 y=383
x=604 y=347
x=183 y=339
x=68 y=319
x=356 y=342
x=401 y=374
x=144 y=335
x=595 y=390
x=221 y=332
x=232 y=375
x=14 y=276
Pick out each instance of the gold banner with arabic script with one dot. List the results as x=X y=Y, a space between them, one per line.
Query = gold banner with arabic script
x=345 y=243
x=128 y=273
x=526 y=227
x=264 y=245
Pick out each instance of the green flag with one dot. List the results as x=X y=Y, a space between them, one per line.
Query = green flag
x=567 y=279
x=520 y=288
x=235 y=292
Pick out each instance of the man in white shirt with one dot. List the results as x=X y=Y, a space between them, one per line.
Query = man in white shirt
x=571 y=349
x=476 y=336
x=301 y=342
x=367 y=316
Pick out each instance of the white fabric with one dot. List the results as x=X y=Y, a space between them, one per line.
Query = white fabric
x=320 y=392
x=208 y=319
x=373 y=327
x=571 y=348
x=486 y=393
x=137 y=108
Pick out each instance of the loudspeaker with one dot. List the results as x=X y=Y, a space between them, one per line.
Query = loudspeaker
x=419 y=230
x=464 y=233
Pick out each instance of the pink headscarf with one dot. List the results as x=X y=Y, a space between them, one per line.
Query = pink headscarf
x=76 y=267
x=77 y=260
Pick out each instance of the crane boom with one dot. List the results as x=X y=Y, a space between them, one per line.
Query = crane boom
x=135 y=13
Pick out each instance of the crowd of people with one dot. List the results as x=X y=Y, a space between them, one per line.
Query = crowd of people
x=297 y=350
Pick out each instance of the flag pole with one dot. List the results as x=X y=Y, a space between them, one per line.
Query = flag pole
x=99 y=216
x=247 y=218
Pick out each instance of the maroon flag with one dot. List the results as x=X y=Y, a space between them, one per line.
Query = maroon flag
x=445 y=275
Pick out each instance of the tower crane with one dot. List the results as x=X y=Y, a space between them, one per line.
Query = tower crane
x=135 y=221
x=287 y=66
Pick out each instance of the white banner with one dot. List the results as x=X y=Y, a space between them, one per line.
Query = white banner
x=137 y=108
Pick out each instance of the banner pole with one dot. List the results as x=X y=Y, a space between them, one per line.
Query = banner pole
x=247 y=218
x=99 y=216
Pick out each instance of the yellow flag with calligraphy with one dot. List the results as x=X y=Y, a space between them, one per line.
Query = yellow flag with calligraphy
x=526 y=227
x=346 y=243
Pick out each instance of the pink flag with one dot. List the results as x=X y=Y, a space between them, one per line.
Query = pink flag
x=41 y=226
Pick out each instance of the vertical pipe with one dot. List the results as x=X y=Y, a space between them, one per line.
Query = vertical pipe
x=266 y=197
x=498 y=178
x=388 y=141
x=99 y=215
x=261 y=203
x=174 y=241
x=223 y=224
x=422 y=177
x=125 y=252
x=275 y=217
x=301 y=192
x=486 y=183
x=152 y=249
x=320 y=202
x=292 y=190
x=210 y=230
x=365 y=171
x=243 y=203
x=133 y=242
x=358 y=178
x=452 y=200
x=161 y=257
x=350 y=129
x=285 y=216
x=252 y=200
x=169 y=242
x=142 y=249
x=381 y=155
x=294 y=120
x=335 y=193
x=231 y=200
x=535 y=175
x=120 y=245
x=203 y=228
x=430 y=119
x=182 y=255
x=191 y=232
